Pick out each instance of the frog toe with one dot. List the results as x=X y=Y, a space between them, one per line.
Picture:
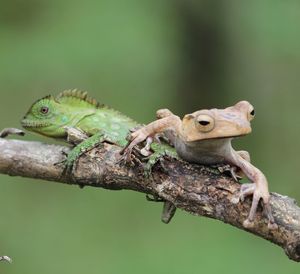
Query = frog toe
x=246 y=190
x=230 y=170
x=258 y=195
x=248 y=223
x=145 y=152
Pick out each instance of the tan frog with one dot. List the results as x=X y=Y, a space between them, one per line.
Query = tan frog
x=204 y=137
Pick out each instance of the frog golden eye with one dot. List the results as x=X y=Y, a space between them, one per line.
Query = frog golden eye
x=251 y=114
x=204 y=123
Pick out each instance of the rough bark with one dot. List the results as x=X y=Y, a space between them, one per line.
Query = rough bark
x=196 y=189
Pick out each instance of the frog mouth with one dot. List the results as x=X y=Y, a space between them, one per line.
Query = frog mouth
x=230 y=137
x=34 y=124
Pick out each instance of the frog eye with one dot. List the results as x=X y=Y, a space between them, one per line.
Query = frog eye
x=204 y=123
x=251 y=114
x=44 y=110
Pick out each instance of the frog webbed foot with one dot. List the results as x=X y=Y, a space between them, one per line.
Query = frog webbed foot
x=233 y=171
x=134 y=139
x=146 y=150
x=258 y=193
x=236 y=172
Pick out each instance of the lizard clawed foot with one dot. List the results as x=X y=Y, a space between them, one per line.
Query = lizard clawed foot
x=67 y=165
x=68 y=168
x=9 y=131
x=259 y=193
x=70 y=162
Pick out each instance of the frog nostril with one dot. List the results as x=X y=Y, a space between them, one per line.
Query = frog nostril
x=204 y=123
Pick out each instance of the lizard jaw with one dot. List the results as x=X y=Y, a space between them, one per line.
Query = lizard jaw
x=34 y=124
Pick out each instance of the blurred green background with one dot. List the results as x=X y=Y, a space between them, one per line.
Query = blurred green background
x=138 y=56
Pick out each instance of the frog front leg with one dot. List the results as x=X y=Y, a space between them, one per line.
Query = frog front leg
x=170 y=122
x=235 y=171
x=258 y=189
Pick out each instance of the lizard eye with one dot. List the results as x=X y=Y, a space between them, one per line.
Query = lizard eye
x=44 y=110
x=251 y=114
x=204 y=123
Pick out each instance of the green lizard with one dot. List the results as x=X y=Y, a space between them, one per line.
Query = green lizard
x=75 y=117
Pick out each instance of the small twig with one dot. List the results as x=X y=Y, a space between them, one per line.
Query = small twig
x=196 y=189
x=6 y=259
x=10 y=131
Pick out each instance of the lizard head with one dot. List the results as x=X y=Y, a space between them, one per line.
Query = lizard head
x=49 y=116
x=230 y=122
x=46 y=116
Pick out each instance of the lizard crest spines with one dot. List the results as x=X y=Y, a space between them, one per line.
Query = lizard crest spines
x=78 y=94
x=83 y=95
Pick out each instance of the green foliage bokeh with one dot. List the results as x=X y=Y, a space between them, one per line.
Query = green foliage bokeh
x=132 y=56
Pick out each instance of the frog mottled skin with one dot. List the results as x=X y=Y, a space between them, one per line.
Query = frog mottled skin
x=204 y=137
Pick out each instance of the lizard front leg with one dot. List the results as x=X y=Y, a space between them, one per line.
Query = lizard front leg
x=88 y=144
x=79 y=150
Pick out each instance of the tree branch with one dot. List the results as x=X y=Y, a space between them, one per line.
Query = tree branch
x=196 y=189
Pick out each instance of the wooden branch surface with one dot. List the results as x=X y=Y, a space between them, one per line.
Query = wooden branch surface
x=196 y=189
